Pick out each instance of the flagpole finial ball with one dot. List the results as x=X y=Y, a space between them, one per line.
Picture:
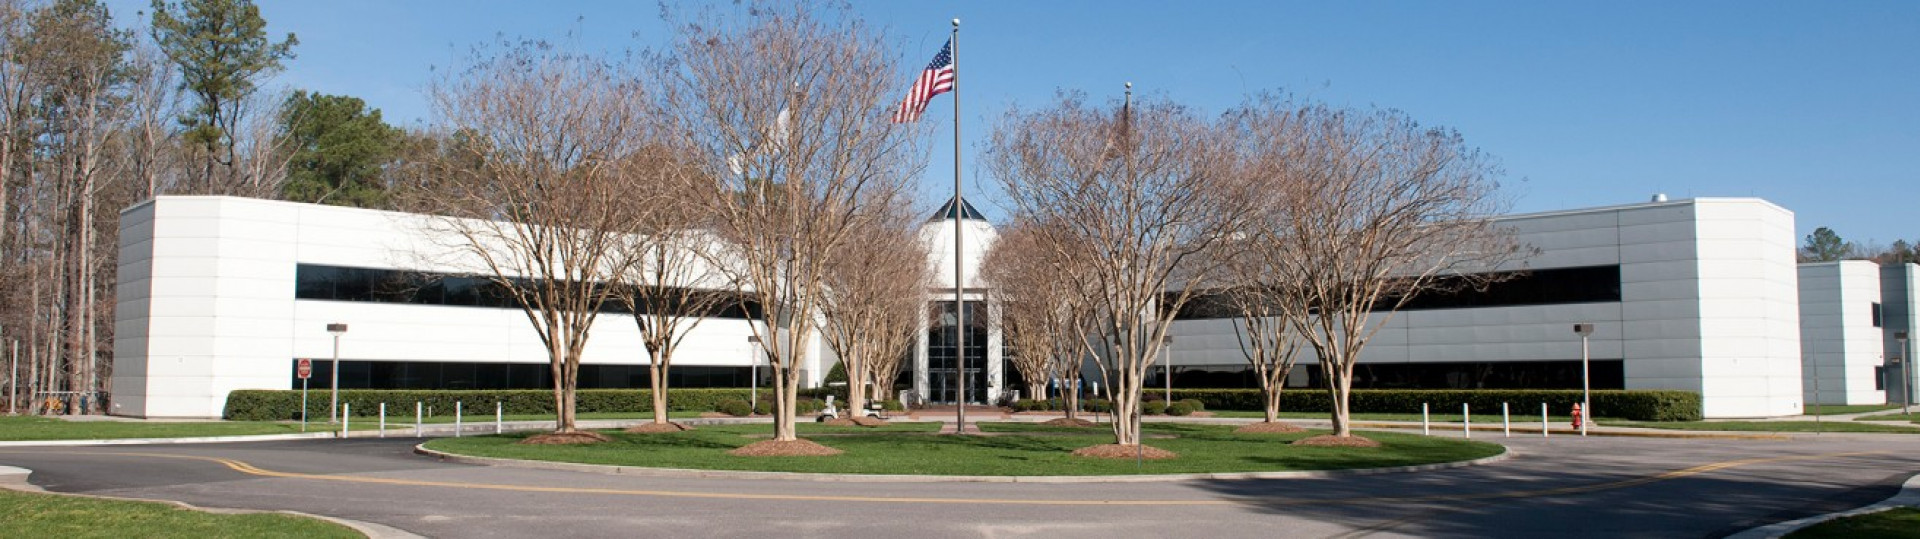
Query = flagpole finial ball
x=956 y=22
x=1129 y=85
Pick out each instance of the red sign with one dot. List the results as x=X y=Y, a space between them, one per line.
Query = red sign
x=305 y=370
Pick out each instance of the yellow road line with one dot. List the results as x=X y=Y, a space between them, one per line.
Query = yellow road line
x=250 y=469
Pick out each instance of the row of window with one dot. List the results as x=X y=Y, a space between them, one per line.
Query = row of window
x=1554 y=286
x=340 y=283
x=459 y=375
x=1606 y=374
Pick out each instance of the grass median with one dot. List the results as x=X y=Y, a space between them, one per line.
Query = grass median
x=24 y=514
x=1011 y=449
x=1899 y=522
x=32 y=428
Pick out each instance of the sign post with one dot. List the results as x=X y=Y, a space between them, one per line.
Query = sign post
x=304 y=371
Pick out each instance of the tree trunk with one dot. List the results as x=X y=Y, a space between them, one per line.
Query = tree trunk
x=1341 y=389
x=658 y=382
x=1273 y=403
x=856 y=390
x=784 y=392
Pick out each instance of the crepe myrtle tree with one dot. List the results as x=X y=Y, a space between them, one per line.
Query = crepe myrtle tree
x=535 y=189
x=1378 y=210
x=1137 y=191
x=1043 y=308
x=786 y=112
x=874 y=301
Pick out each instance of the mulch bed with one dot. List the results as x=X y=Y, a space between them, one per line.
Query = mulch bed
x=655 y=428
x=792 y=448
x=1066 y=422
x=1329 y=440
x=1117 y=451
x=840 y=422
x=865 y=421
x=1276 y=427
x=566 y=438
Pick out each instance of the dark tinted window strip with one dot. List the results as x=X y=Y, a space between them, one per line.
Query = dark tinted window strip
x=1554 y=286
x=467 y=375
x=341 y=283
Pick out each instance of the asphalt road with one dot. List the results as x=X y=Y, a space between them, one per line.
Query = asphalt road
x=1560 y=487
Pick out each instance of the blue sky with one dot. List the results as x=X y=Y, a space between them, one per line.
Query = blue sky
x=1812 y=105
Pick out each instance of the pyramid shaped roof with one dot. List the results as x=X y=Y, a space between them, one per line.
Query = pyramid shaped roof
x=947 y=210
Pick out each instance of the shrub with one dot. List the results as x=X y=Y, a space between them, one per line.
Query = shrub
x=1153 y=408
x=282 y=404
x=1180 y=408
x=735 y=408
x=1097 y=405
x=1633 y=404
x=892 y=406
x=1193 y=404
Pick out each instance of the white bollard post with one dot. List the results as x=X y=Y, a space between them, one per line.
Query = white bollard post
x=496 y=417
x=346 y=410
x=1543 y=420
x=1466 y=421
x=383 y=420
x=1423 y=420
x=457 y=409
x=1506 y=421
x=418 y=432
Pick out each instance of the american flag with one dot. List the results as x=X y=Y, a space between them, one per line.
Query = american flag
x=936 y=80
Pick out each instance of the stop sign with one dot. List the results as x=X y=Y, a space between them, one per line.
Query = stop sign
x=305 y=370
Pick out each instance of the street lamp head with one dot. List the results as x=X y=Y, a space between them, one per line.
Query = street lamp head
x=337 y=329
x=1900 y=335
x=1583 y=329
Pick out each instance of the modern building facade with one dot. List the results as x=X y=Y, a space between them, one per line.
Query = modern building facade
x=1697 y=295
x=219 y=293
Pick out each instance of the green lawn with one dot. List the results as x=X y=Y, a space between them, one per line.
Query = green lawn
x=1896 y=416
x=1836 y=409
x=1518 y=417
x=396 y=420
x=1766 y=426
x=14 y=428
x=25 y=514
x=909 y=448
x=1899 y=522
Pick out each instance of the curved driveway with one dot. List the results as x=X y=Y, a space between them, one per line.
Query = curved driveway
x=1563 y=486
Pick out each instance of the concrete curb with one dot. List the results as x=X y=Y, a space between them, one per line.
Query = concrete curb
x=13 y=478
x=1909 y=495
x=878 y=478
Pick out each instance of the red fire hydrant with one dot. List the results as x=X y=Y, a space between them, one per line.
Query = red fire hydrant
x=1576 y=415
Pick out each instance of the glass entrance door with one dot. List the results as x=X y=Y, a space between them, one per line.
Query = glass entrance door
x=943 y=351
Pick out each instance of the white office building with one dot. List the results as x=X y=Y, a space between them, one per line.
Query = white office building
x=218 y=294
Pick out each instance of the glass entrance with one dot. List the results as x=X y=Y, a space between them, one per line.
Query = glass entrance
x=943 y=352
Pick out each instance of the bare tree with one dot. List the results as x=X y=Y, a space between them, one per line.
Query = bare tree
x=788 y=113
x=152 y=105
x=874 y=301
x=535 y=192
x=1380 y=210
x=665 y=279
x=1043 y=305
x=1141 y=191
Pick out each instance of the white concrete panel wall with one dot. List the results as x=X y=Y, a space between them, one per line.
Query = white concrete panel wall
x=1839 y=345
x=938 y=236
x=1749 y=304
x=1708 y=304
x=209 y=305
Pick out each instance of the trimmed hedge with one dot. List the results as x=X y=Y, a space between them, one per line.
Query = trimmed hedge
x=1179 y=408
x=284 y=404
x=1153 y=408
x=1632 y=404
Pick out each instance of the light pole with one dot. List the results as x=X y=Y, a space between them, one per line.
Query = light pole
x=753 y=379
x=1906 y=374
x=1167 y=371
x=333 y=402
x=1586 y=384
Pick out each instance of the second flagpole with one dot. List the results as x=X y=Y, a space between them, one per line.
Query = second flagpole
x=959 y=303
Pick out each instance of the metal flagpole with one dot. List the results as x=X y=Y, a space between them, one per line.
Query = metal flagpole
x=959 y=305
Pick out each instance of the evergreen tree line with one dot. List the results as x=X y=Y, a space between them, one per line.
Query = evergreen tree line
x=96 y=116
